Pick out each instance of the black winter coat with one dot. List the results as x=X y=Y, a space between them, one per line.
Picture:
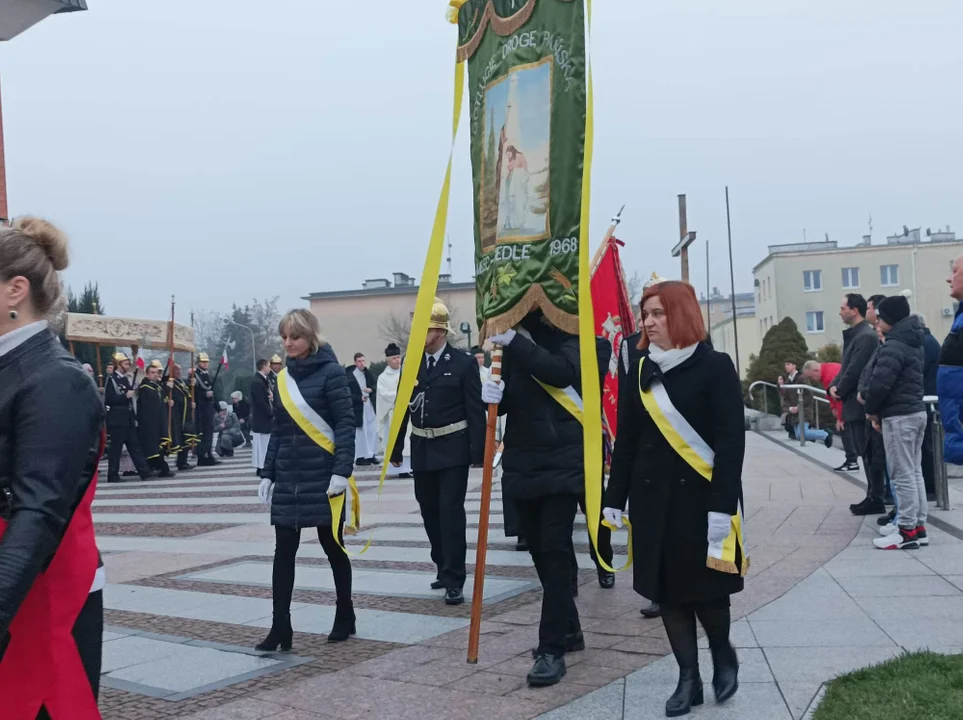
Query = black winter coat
x=300 y=468
x=859 y=343
x=261 y=413
x=931 y=362
x=543 y=442
x=357 y=397
x=120 y=409
x=896 y=384
x=669 y=502
x=51 y=420
x=151 y=418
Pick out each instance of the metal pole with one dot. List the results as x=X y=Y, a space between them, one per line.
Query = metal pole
x=732 y=286
x=801 y=414
x=683 y=234
x=939 y=465
x=708 y=295
x=253 y=349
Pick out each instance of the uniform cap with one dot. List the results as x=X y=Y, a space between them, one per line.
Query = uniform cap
x=276 y=360
x=203 y=358
x=119 y=357
x=439 y=317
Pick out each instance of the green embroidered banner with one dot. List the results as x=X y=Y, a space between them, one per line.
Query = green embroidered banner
x=526 y=72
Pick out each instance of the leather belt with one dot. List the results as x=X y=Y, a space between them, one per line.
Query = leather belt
x=432 y=433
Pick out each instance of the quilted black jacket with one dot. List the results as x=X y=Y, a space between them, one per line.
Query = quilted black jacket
x=300 y=468
x=896 y=384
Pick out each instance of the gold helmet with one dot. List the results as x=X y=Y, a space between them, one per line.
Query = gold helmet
x=439 y=317
x=654 y=280
x=156 y=364
x=203 y=358
x=119 y=357
x=276 y=359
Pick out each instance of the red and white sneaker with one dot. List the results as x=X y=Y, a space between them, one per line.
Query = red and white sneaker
x=921 y=536
x=901 y=540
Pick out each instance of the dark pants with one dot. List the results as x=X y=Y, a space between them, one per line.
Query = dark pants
x=546 y=523
x=852 y=454
x=206 y=422
x=246 y=432
x=89 y=635
x=183 y=457
x=509 y=515
x=441 y=497
x=286 y=545
x=117 y=438
x=870 y=448
x=159 y=464
x=929 y=467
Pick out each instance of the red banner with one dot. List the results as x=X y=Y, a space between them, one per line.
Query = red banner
x=613 y=318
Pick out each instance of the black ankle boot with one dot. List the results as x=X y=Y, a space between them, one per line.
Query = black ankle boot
x=281 y=635
x=344 y=625
x=725 y=676
x=687 y=693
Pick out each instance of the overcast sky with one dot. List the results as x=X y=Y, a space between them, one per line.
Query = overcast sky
x=223 y=150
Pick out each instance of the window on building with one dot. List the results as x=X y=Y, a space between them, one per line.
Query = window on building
x=850 y=278
x=812 y=280
x=814 y=321
x=889 y=275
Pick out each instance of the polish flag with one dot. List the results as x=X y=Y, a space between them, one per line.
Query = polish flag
x=224 y=358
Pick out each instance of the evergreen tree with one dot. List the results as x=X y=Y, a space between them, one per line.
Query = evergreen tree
x=783 y=342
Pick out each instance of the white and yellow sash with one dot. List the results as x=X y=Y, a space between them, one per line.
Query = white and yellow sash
x=690 y=446
x=315 y=427
x=569 y=399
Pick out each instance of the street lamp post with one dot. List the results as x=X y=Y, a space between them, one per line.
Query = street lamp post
x=465 y=328
x=253 y=348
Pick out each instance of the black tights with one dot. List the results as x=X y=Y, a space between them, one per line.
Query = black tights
x=285 y=550
x=680 y=626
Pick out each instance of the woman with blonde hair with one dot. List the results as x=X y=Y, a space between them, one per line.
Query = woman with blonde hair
x=309 y=459
x=678 y=460
x=51 y=440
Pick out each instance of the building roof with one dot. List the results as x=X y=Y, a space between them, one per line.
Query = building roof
x=381 y=291
x=72 y=5
x=740 y=313
x=830 y=248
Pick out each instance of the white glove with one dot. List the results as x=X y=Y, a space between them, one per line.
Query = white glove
x=612 y=516
x=492 y=392
x=504 y=339
x=265 y=490
x=719 y=524
x=337 y=485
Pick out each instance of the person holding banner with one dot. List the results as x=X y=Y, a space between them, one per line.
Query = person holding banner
x=309 y=459
x=678 y=458
x=204 y=399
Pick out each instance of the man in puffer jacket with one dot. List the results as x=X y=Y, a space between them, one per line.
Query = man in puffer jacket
x=894 y=401
x=949 y=378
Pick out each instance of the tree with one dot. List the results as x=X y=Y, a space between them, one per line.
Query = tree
x=88 y=302
x=830 y=353
x=783 y=342
x=395 y=327
x=635 y=285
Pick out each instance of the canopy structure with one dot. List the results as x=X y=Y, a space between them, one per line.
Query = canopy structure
x=128 y=332
x=18 y=15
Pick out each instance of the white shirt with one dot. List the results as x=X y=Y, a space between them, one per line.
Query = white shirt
x=436 y=355
x=15 y=338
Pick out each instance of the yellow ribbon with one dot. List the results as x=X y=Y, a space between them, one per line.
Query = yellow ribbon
x=327 y=444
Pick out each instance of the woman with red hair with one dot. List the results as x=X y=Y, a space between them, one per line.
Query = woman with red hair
x=678 y=458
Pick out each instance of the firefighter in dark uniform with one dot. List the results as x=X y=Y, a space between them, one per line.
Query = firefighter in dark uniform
x=152 y=417
x=276 y=364
x=204 y=399
x=447 y=437
x=628 y=353
x=121 y=430
x=180 y=393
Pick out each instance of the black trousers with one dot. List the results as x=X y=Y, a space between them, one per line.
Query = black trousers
x=852 y=455
x=441 y=497
x=546 y=523
x=205 y=421
x=89 y=635
x=117 y=438
x=287 y=541
x=869 y=444
x=183 y=457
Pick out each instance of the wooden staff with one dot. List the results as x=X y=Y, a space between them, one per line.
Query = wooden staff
x=170 y=376
x=481 y=552
x=190 y=379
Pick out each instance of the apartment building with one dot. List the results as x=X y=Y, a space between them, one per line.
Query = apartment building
x=806 y=281
x=366 y=319
x=723 y=336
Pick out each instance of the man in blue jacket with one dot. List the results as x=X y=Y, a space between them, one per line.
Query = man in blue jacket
x=949 y=378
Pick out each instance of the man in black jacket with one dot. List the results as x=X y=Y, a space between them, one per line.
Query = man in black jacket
x=204 y=399
x=859 y=344
x=447 y=436
x=543 y=472
x=262 y=413
x=894 y=402
x=931 y=365
x=121 y=429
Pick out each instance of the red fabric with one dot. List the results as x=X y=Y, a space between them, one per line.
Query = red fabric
x=613 y=319
x=828 y=373
x=42 y=666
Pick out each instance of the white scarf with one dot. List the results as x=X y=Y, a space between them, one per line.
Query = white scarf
x=668 y=359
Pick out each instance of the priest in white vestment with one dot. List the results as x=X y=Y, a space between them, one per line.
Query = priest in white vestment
x=387 y=394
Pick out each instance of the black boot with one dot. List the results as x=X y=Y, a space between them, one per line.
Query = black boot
x=344 y=624
x=574 y=642
x=606 y=579
x=281 y=635
x=687 y=693
x=547 y=670
x=725 y=676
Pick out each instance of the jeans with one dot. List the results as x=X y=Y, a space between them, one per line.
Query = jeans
x=546 y=523
x=903 y=437
x=811 y=434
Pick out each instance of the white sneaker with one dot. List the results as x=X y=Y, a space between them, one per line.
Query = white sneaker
x=888 y=529
x=900 y=540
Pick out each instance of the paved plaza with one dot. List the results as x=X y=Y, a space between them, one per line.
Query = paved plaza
x=189 y=570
